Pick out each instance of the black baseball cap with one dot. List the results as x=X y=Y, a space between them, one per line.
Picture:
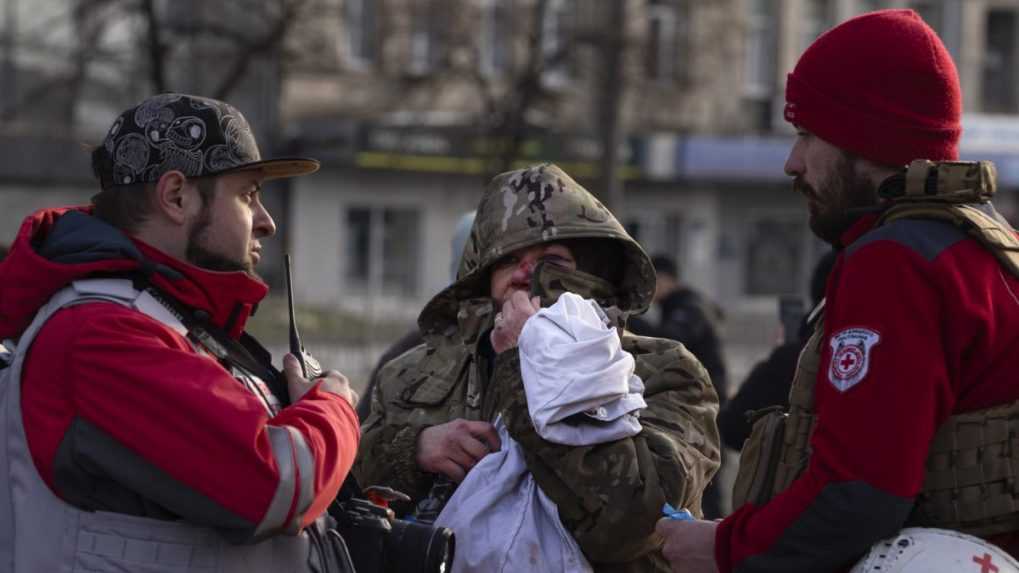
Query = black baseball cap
x=197 y=136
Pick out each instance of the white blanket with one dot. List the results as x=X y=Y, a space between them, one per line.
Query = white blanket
x=579 y=381
x=581 y=390
x=504 y=523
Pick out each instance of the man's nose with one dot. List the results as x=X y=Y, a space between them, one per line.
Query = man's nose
x=263 y=226
x=523 y=271
x=794 y=163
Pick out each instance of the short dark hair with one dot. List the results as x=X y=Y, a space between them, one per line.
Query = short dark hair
x=128 y=206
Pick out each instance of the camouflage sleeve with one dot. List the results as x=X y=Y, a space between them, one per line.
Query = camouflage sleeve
x=387 y=454
x=610 y=495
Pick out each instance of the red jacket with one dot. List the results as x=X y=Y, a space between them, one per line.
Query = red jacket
x=121 y=414
x=937 y=314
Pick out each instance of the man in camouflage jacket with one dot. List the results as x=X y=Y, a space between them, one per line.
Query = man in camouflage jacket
x=431 y=411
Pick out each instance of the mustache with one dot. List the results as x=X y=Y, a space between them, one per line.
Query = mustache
x=803 y=188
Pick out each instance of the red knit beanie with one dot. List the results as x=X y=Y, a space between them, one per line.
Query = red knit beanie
x=881 y=86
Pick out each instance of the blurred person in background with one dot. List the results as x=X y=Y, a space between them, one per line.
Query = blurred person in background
x=687 y=316
x=769 y=380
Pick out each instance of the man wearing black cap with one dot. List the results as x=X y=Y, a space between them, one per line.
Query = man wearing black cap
x=142 y=427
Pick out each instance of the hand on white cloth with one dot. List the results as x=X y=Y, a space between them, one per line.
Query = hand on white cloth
x=453 y=448
x=504 y=522
x=573 y=364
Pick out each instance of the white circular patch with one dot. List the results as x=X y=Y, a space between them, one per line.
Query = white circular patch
x=850 y=356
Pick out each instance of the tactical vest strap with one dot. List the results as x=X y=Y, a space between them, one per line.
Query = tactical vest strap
x=954 y=182
x=996 y=235
x=916 y=177
x=778 y=448
x=972 y=480
x=972 y=470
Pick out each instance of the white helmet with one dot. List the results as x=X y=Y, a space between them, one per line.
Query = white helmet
x=923 y=550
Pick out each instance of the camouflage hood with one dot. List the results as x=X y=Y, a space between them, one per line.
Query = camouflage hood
x=527 y=207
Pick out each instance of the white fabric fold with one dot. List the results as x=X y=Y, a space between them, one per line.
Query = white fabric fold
x=580 y=384
x=504 y=523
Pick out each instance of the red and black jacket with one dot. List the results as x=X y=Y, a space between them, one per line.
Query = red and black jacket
x=121 y=412
x=944 y=312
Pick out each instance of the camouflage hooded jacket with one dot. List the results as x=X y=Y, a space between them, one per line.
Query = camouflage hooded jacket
x=609 y=495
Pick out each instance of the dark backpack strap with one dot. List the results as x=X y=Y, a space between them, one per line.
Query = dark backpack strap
x=246 y=354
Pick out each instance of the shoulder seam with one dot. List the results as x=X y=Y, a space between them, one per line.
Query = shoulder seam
x=928 y=238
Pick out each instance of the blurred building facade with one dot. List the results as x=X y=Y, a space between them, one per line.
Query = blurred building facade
x=412 y=105
x=403 y=102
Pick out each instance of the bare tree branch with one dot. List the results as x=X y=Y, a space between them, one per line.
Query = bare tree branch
x=88 y=29
x=273 y=39
x=156 y=49
x=526 y=90
x=211 y=29
x=610 y=96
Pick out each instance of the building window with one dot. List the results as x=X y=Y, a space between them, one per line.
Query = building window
x=759 y=61
x=657 y=232
x=381 y=249
x=999 y=73
x=424 y=36
x=361 y=29
x=658 y=55
x=555 y=42
x=775 y=249
x=663 y=34
x=759 y=72
x=818 y=16
x=496 y=31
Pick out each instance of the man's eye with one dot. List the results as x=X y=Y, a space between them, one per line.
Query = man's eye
x=506 y=261
x=557 y=260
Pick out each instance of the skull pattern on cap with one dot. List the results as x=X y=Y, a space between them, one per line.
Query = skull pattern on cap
x=194 y=135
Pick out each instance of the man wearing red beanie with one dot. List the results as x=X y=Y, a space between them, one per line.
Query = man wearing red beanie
x=904 y=406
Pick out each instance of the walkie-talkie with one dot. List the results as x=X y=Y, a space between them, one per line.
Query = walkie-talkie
x=310 y=368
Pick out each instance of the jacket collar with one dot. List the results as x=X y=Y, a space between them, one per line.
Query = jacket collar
x=55 y=247
x=226 y=298
x=858 y=229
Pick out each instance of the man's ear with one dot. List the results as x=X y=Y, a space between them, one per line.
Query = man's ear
x=174 y=197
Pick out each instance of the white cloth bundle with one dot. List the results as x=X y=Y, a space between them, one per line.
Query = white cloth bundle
x=579 y=381
x=581 y=390
x=504 y=523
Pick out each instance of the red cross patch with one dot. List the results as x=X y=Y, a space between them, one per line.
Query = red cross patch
x=986 y=563
x=850 y=356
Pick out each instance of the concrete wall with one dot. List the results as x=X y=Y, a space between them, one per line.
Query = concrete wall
x=317 y=232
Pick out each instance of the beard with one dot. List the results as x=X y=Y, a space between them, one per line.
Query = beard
x=198 y=254
x=844 y=192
